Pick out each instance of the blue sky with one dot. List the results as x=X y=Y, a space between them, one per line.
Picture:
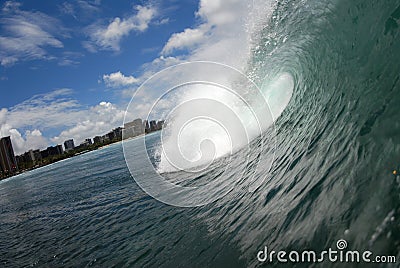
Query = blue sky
x=69 y=68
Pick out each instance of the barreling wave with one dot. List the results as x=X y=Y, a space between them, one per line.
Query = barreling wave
x=323 y=171
x=337 y=140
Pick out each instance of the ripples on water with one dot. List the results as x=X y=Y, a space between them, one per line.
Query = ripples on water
x=338 y=142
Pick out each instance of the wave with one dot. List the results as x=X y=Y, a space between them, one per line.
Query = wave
x=335 y=138
x=301 y=154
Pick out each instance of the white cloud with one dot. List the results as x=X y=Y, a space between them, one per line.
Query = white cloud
x=186 y=39
x=10 y=6
x=89 y=6
x=35 y=139
x=149 y=69
x=109 y=37
x=27 y=35
x=162 y=21
x=117 y=79
x=81 y=10
x=69 y=9
x=70 y=58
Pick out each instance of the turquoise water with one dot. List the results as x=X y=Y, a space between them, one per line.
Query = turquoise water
x=338 y=142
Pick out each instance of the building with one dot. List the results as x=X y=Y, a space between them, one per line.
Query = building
x=133 y=129
x=8 y=162
x=20 y=159
x=146 y=126
x=105 y=138
x=98 y=140
x=160 y=124
x=36 y=155
x=32 y=156
x=153 y=125
x=88 y=141
x=84 y=144
x=110 y=135
x=52 y=151
x=69 y=145
x=118 y=132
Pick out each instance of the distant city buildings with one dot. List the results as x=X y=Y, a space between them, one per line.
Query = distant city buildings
x=69 y=145
x=133 y=129
x=8 y=161
x=146 y=126
x=87 y=142
x=10 y=164
x=32 y=156
x=153 y=125
x=52 y=151
x=138 y=127
x=160 y=124
x=115 y=134
x=97 y=139
x=118 y=132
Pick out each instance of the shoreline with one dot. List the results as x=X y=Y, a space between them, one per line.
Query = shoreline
x=67 y=156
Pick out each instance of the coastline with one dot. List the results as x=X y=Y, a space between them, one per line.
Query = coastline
x=73 y=154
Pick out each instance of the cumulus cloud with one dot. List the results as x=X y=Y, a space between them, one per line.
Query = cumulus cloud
x=117 y=79
x=186 y=39
x=27 y=35
x=110 y=36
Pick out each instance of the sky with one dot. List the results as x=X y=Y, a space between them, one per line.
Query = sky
x=68 y=69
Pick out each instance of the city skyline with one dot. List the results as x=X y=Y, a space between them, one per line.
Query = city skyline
x=156 y=127
x=9 y=160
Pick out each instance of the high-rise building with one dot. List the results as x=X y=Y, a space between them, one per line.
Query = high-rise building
x=30 y=156
x=8 y=162
x=97 y=139
x=133 y=129
x=88 y=141
x=111 y=135
x=69 y=145
x=52 y=151
x=160 y=124
x=153 y=125
x=37 y=156
x=118 y=132
x=146 y=126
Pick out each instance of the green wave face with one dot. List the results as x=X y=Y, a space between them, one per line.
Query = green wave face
x=338 y=138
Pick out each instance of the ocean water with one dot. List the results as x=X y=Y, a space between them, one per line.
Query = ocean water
x=337 y=143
